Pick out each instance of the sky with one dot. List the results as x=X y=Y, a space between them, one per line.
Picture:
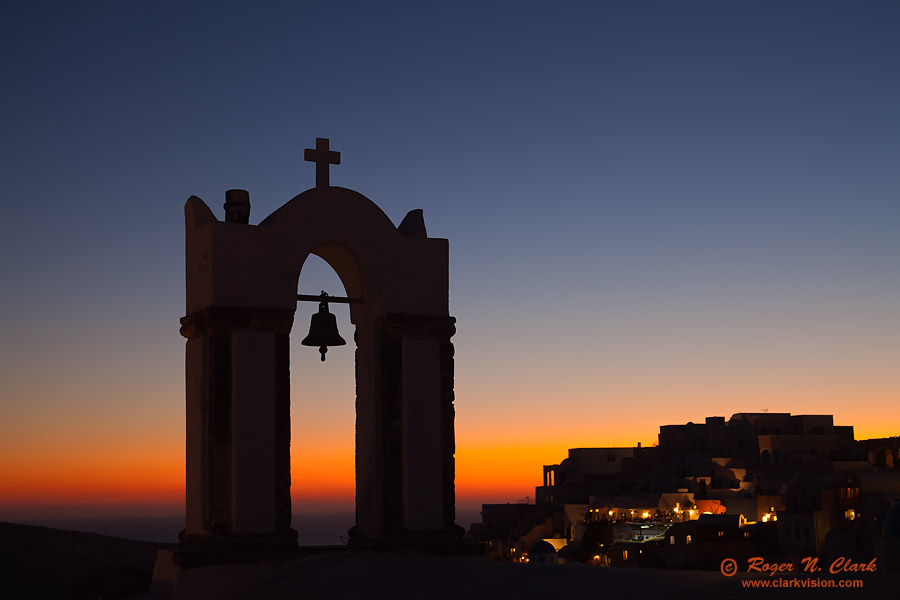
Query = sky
x=657 y=212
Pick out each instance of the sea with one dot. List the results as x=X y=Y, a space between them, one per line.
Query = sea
x=314 y=529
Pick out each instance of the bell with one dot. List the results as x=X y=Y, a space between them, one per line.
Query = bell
x=323 y=331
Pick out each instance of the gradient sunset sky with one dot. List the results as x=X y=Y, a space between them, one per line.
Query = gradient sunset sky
x=657 y=212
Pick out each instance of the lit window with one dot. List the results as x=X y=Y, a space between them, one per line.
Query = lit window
x=721 y=533
x=687 y=540
x=671 y=539
x=624 y=554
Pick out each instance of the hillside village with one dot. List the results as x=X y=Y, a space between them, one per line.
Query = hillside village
x=757 y=484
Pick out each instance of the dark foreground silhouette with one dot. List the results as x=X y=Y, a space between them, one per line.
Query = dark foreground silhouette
x=37 y=562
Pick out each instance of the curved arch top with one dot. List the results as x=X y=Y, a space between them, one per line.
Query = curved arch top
x=259 y=265
x=329 y=203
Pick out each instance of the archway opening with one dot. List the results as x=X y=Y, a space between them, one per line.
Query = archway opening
x=323 y=418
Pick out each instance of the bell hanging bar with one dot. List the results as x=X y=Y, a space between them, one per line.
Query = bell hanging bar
x=339 y=299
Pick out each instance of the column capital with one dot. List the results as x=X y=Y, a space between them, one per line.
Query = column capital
x=224 y=319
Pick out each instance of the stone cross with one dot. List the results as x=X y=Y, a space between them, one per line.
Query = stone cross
x=323 y=157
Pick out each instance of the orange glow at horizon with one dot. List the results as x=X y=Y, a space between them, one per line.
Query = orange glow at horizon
x=331 y=475
x=124 y=479
x=489 y=468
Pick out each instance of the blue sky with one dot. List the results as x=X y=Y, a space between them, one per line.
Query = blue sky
x=687 y=207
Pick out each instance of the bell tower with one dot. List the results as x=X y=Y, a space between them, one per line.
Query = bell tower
x=241 y=299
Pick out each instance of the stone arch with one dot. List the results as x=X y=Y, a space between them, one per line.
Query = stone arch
x=241 y=298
